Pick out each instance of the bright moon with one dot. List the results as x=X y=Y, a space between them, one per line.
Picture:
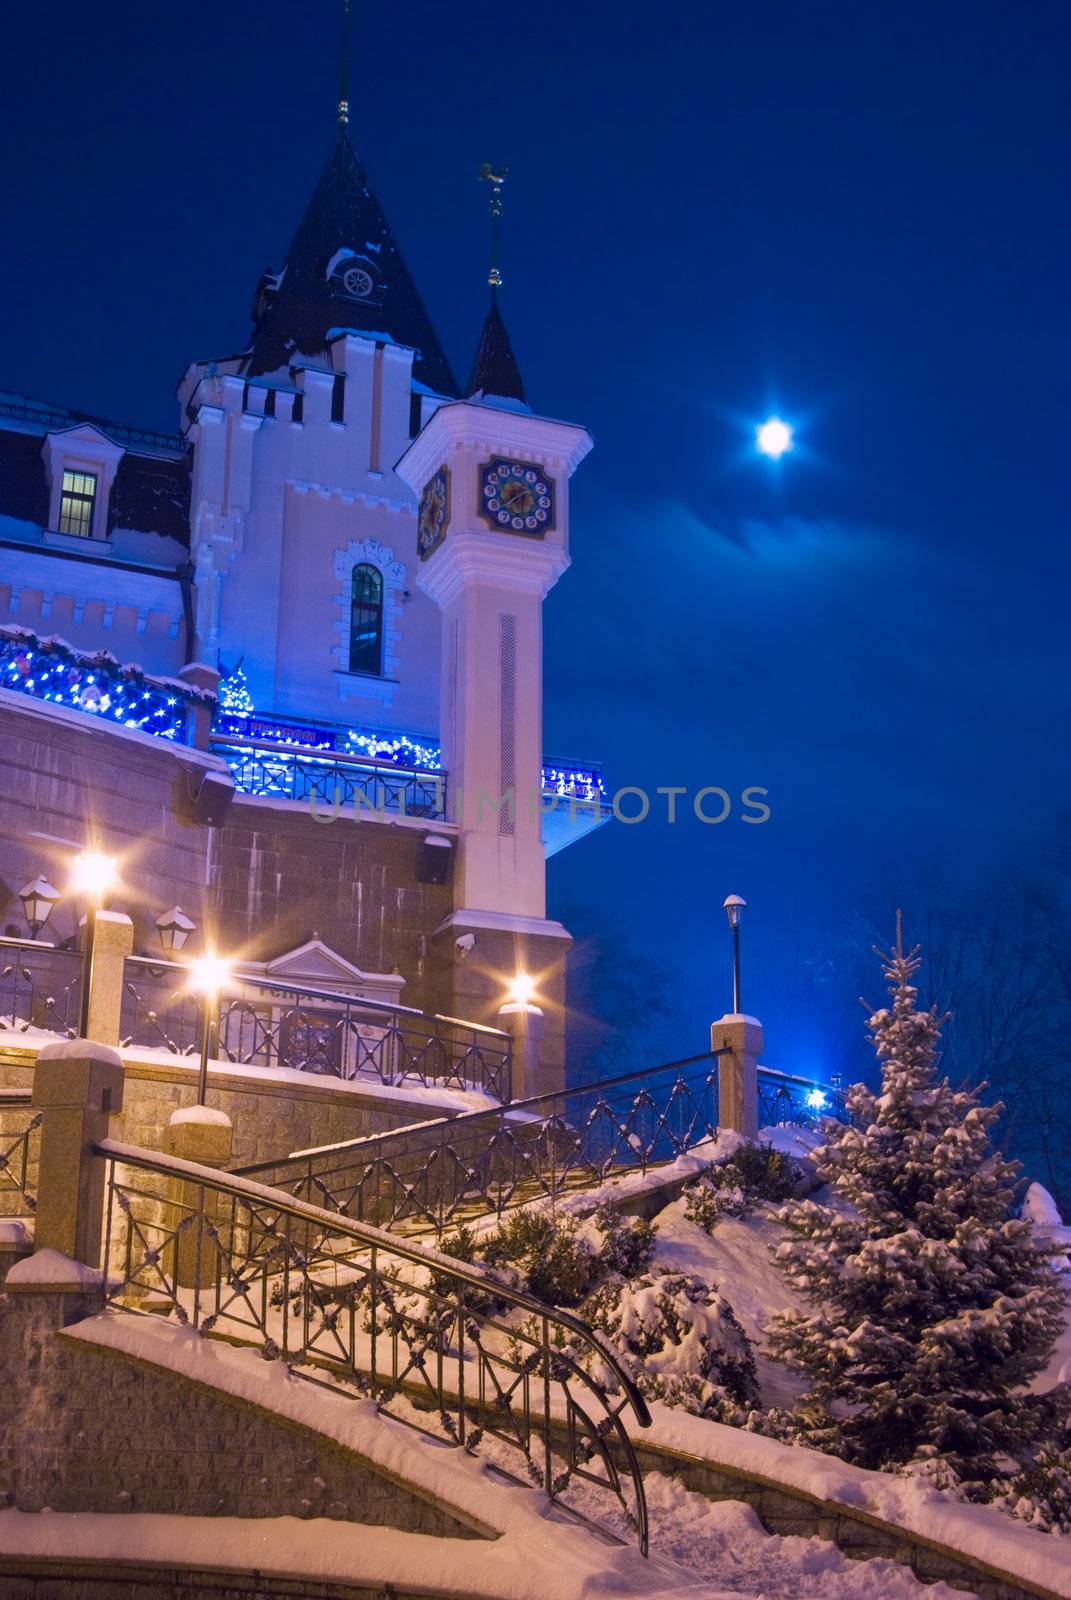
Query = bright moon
x=774 y=438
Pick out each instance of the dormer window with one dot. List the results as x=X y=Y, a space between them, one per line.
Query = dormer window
x=77 y=498
x=80 y=465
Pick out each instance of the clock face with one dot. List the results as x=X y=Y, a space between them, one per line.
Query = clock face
x=516 y=497
x=434 y=513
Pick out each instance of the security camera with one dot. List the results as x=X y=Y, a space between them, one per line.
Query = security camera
x=465 y=943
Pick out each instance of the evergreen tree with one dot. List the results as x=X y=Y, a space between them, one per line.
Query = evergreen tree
x=933 y=1303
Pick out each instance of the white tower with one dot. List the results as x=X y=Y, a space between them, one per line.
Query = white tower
x=493 y=537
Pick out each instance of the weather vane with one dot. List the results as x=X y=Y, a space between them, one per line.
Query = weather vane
x=344 y=68
x=496 y=180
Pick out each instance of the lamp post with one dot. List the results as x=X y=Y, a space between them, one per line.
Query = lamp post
x=173 y=928
x=95 y=876
x=38 y=898
x=208 y=974
x=734 y=910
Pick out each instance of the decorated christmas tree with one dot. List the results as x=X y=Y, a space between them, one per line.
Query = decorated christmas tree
x=234 y=697
x=933 y=1305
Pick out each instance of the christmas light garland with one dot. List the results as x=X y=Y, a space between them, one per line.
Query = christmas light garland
x=96 y=683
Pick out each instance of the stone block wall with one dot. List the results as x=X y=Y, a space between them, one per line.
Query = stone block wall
x=87 y=1430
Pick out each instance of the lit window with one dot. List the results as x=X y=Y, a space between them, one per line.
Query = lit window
x=366 y=620
x=76 y=503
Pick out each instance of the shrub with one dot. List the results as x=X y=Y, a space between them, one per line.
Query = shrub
x=752 y=1173
x=558 y=1264
x=1041 y=1493
x=627 y=1243
x=682 y=1341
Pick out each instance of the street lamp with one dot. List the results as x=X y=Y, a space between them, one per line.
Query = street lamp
x=173 y=928
x=38 y=898
x=734 y=910
x=95 y=875
x=208 y=974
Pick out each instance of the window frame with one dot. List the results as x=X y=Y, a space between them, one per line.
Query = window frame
x=72 y=499
x=372 y=611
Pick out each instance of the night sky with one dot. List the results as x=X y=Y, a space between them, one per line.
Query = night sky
x=849 y=213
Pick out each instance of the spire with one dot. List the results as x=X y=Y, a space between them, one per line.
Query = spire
x=343 y=270
x=495 y=373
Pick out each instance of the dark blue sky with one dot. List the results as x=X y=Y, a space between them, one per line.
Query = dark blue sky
x=853 y=213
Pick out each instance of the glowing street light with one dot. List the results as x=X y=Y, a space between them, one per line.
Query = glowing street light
x=773 y=438
x=95 y=876
x=817 y=1099
x=38 y=898
x=521 y=989
x=207 y=976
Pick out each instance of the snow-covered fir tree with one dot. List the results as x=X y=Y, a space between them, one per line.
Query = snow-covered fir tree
x=933 y=1304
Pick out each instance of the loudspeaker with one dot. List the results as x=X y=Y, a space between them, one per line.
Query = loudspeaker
x=435 y=859
x=212 y=797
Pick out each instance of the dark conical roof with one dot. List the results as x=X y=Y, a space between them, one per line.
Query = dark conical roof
x=343 y=270
x=495 y=371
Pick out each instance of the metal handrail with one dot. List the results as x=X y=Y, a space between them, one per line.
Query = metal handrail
x=328 y=757
x=292 y=1261
x=514 y=1109
x=287 y=986
x=469 y=1273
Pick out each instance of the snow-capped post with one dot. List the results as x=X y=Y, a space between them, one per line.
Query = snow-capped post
x=77 y=1088
x=737 y=1040
x=199 y=719
x=113 y=941
x=525 y=1024
x=202 y=1134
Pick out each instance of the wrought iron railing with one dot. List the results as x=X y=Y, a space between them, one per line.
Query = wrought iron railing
x=40 y=986
x=332 y=782
x=481 y=1163
x=444 y=1346
x=271 y=1025
x=18 y=1153
x=798 y=1102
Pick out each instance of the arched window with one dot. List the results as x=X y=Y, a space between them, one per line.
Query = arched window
x=366 y=620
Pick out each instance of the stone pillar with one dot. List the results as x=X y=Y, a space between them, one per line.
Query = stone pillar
x=112 y=943
x=740 y=1039
x=526 y=1025
x=199 y=718
x=78 y=1088
x=204 y=1135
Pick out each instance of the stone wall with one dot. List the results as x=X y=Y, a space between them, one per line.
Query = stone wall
x=88 y=1430
x=270 y=876
x=282 y=876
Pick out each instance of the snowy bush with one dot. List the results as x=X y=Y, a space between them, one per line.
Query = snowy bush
x=627 y=1243
x=1041 y=1493
x=753 y=1173
x=559 y=1258
x=557 y=1263
x=934 y=1306
x=681 y=1340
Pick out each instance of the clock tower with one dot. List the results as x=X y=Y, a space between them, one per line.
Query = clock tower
x=493 y=538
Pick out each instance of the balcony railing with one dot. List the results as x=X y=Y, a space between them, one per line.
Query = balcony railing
x=40 y=986
x=18 y=1154
x=797 y=1102
x=332 y=782
x=268 y=1024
